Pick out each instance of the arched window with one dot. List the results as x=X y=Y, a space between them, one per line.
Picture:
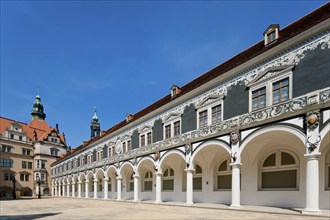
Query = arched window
x=168 y=179
x=224 y=175
x=279 y=170
x=327 y=171
x=131 y=183
x=147 y=186
x=197 y=179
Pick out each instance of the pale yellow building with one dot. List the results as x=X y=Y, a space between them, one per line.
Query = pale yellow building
x=27 y=150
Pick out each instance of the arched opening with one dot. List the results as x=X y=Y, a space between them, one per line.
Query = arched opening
x=26 y=191
x=46 y=192
x=147 y=182
x=271 y=167
x=126 y=172
x=99 y=177
x=172 y=166
x=206 y=159
x=112 y=182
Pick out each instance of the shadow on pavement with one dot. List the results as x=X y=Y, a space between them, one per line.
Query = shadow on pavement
x=28 y=217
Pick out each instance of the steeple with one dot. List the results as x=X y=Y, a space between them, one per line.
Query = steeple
x=95 y=125
x=38 y=109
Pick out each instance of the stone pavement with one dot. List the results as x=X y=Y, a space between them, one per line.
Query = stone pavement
x=74 y=208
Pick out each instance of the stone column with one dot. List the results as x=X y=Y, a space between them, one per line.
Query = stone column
x=136 y=187
x=86 y=188
x=68 y=189
x=59 y=189
x=106 y=180
x=158 y=187
x=312 y=183
x=79 y=189
x=119 y=180
x=56 y=189
x=95 y=188
x=189 y=192
x=63 y=189
x=235 y=185
x=73 y=189
x=52 y=193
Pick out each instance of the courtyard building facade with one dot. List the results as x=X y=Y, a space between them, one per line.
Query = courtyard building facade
x=253 y=131
x=27 y=151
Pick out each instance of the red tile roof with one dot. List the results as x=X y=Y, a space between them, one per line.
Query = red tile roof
x=40 y=127
x=288 y=32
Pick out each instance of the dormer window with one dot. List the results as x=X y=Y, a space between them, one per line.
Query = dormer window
x=271 y=34
x=175 y=90
x=129 y=117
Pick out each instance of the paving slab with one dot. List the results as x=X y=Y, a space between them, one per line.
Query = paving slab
x=75 y=208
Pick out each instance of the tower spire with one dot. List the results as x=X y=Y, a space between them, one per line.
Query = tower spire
x=95 y=125
x=38 y=109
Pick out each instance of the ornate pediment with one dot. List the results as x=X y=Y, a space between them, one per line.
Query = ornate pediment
x=270 y=73
x=171 y=116
x=209 y=100
x=145 y=128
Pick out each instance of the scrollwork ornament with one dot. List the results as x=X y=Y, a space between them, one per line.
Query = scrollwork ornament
x=312 y=119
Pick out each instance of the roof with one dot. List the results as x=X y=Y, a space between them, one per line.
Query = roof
x=41 y=127
x=288 y=32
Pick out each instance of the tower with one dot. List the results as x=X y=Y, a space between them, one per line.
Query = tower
x=95 y=125
x=38 y=109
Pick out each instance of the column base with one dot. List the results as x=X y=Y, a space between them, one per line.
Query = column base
x=311 y=212
x=189 y=204
x=136 y=200
x=235 y=207
x=158 y=202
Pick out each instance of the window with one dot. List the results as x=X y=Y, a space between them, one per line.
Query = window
x=6 y=148
x=20 y=138
x=89 y=159
x=111 y=151
x=197 y=178
x=129 y=145
x=177 y=130
x=172 y=125
x=24 y=177
x=148 y=181
x=43 y=164
x=216 y=114
x=29 y=165
x=99 y=155
x=6 y=162
x=54 y=152
x=81 y=161
x=271 y=87
x=224 y=176
x=148 y=138
x=259 y=99
x=143 y=141
x=124 y=146
x=167 y=131
x=43 y=177
x=12 y=136
x=203 y=119
x=271 y=37
x=168 y=179
x=100 y=185
x=24 y=164
x=279 y=170
x=54 y=140
x=26 y=152
x=209 y=111
x=8 y=176
x=281 y=91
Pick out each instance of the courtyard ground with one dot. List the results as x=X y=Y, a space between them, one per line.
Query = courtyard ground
x=74 y=208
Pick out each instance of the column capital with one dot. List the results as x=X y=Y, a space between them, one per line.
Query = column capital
x=189 y=170
x=238 y=165
x=158 y=173
x=312 y=156
x=119 y=178
x=136 y=176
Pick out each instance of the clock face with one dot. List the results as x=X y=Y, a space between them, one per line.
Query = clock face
x=119 y=147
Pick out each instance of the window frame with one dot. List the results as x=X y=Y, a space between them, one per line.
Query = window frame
x=269 y=84
x=168 y=177
x=170 y=121
x=143 y=136
x=278 y=167
x=327 y=172
x=208 y=106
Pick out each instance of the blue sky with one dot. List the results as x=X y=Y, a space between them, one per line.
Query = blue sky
x=120 y=56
